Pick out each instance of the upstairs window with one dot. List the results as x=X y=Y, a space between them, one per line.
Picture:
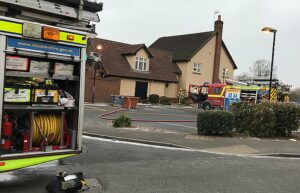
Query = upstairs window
x=141 y=63
x=197 y=68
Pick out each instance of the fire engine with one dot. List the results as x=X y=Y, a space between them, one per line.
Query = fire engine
x=42 y=69
x=210 y=96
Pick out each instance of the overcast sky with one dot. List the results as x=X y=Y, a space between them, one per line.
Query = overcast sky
x=144 y=21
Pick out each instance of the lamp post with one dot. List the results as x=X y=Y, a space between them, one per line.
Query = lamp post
x=271 y=30
x=97 y=58
x=224 y=73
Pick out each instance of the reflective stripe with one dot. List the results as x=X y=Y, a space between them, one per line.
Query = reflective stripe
x=273 y=94
x=78 y=39
x=26 y=162
x=11 y=27
x=217 y=95
x=17 y=28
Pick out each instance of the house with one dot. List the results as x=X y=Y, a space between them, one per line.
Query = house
x=169 y=64
x=131 y=70
x=201 y=57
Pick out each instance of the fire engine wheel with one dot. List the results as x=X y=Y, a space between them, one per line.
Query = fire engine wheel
x=207 y=106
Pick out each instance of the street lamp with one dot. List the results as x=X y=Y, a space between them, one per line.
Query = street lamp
x=271 y=30
x=224 y=73
x=96 y=56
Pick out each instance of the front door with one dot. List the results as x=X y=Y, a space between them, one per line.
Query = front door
x=141 y=89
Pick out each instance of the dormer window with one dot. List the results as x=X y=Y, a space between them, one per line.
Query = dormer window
x=141 y=64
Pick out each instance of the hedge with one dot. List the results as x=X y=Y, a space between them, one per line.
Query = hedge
x=259 y=120
x=266 y=119
x=215 y=123
x=164 y=100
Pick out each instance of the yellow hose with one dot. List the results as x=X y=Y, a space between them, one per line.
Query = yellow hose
x=46 y=127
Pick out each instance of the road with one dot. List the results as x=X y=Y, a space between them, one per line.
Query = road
x=147 y=113
x=127 y=168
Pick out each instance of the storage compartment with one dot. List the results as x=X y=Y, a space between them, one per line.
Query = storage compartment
x=41 y=103
x=24 y=132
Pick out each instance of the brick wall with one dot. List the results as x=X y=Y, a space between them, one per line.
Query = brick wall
x=219 y=33
x=105 y=87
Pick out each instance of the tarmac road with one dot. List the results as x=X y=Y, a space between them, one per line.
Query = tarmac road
x=117 y=167
x=147 y=113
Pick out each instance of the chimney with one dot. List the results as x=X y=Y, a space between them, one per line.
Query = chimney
x=219 y=32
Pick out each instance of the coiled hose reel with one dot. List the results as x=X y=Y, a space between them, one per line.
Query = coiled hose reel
x=46 y=130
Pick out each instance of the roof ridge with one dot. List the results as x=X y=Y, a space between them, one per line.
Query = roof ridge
x=187 y=34
x=113 y=41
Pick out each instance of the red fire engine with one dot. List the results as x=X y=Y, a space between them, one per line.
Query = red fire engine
x=209 y=96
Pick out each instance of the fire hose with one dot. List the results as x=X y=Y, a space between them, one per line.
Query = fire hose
x=104 y=117
x=46 y=129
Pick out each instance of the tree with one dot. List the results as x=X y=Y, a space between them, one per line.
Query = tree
x=243 y=76
x=262 y=68
x=295 y=95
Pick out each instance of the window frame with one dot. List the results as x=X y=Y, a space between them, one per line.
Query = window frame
x=197 y=68
x=141 y=64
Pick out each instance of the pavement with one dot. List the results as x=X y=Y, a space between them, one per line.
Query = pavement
x=183 y=134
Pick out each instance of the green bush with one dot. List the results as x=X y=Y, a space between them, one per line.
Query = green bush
x=243 y=115
x=215 y=123
x=122 y=121
x=287 y=118
x=164 y=100
x=186 y=101
x=153 y=99
x=266 y=119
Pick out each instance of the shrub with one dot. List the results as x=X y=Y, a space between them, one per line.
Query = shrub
x=181 y=96
x=187 y=101
x=243 y=115
x=215 y=123
x=287 y=118
x=153 y=99
x=266 y=119
x=122 y=121
x=164 y=100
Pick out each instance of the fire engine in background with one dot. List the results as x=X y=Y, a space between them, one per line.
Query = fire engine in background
x=209 y=96
x=42 y=70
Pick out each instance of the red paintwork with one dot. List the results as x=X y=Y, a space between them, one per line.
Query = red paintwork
x=214 y=101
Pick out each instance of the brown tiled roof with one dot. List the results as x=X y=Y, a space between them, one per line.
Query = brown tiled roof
x=161 y=68
x=133 y=49
x=183 y=47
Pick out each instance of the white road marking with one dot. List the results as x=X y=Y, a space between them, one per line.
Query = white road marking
x=137 y=144
x=188 y=150
x=173 y=124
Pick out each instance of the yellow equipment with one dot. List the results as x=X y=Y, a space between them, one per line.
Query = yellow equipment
x=46 y=128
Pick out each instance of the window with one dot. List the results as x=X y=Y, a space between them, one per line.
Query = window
x=141 y=63
x=197 y=68
x=216 y=90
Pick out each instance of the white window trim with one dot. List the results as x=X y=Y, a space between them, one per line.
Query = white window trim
x=197 y=66
x=141 y=62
